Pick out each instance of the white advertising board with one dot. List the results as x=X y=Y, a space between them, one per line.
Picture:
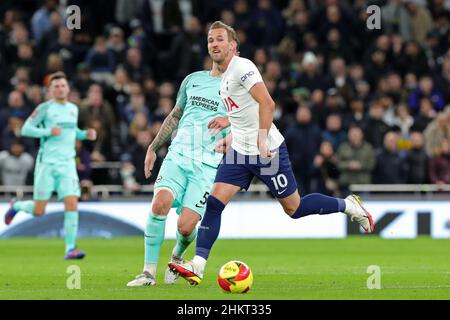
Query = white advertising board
x=266 y=219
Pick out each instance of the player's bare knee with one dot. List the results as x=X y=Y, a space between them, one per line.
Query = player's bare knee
x=38 y=212
x=186 y=229
x=160 y=207
x=71 y=207
x=289 y=210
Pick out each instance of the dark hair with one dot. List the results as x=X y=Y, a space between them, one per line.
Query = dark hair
x=56 y=76
x=18 y=141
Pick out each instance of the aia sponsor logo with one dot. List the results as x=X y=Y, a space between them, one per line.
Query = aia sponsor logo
x=230 y=104
x=247 y=75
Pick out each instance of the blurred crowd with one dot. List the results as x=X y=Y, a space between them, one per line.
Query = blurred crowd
x=355 y=105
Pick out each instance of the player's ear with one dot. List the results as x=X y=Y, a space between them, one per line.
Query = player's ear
x=233 y=45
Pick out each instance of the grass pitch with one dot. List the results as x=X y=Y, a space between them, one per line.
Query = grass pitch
x=283 y=269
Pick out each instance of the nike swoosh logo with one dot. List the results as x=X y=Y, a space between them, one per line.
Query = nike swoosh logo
x=195 y=86
x=197 y=206
x=281 y=192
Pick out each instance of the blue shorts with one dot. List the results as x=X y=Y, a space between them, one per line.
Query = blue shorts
x=277 y=175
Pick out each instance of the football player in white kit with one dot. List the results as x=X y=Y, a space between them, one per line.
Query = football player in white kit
x=257 y=149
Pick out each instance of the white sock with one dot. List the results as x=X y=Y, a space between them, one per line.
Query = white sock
x=349 y=205
x=200 y=263
x=150 y=268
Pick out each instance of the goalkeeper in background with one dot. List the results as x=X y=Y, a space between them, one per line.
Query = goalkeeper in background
x=55 y=122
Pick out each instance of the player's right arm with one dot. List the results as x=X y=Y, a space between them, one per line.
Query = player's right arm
x=169 y=125
x=31 y=127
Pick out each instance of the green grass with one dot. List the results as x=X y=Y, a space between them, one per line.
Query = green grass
x=283 y=269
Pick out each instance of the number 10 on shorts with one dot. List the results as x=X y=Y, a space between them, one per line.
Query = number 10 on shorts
x=280 y=181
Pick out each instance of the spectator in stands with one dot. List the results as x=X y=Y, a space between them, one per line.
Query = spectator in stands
x=166 y=90
x=265 y=24
x=412 y=59
x=443 y=79
x=16 y=105
x=67 y=49
x=425 y=116
x=356 y=159
x=326 y=173
x=51 y=35
x=15 y=165
x=136 y=70
x=376 y=128
x=417 y=160
x=83 y=79
x=396 y=19
x=395 y=89
x=390 y=167
x=83 y=160
x=356 y=72
x=340 y=79
x=138 y=123
x=435 y=133
x=101 y=149
x=136 y=105
x=439 y=168
x=333 y=132
x=357 y=113
x=95 y=106
x=428 y=90
x=12 y=132
x=138 y=152
x=119 y=92
x=165 y=106
x=35 y=96
x=336 y=47
x=377 y=67
x=334 y=104
x=116 y=43
x=403 y=120
x=101 y=61
x=310 y=78
x=54 y=64
x=18 y=35
x=303 y=142
x=391 y=66
x=25 y=56
x=84 y=170
x=41 y=21
x=420 y=20
x=188 y=50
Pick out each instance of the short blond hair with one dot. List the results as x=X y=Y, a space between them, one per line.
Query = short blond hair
x=232 y=36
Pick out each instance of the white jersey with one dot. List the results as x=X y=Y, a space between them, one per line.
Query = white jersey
x=243 y=111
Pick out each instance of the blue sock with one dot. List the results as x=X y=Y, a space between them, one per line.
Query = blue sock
x=316 y=203
x=209 y=228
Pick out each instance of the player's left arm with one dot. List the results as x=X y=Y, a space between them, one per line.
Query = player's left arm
x=89 y=134
x=224 y=144
x=261 y=95
x=218 y=124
